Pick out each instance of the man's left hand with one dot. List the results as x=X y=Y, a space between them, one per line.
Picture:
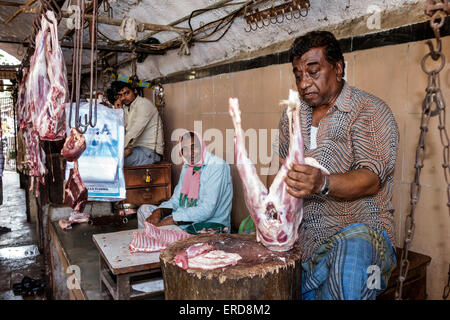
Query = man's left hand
x=166 y=222
x=127 y=152
x=304 y=180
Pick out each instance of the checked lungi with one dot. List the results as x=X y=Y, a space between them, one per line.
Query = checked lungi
x=354 y=264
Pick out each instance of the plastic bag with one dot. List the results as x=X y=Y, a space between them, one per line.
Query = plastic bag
x=101 y=164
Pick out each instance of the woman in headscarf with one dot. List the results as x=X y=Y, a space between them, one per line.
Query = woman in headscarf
x=204 y=191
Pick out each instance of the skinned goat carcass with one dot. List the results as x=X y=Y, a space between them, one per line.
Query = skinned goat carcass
x=41 y=98
x=75 y=192
x=47 y=82
x=276 y=214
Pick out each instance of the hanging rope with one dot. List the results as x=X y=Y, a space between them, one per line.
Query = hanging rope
x=433 y=105
x=76 y=71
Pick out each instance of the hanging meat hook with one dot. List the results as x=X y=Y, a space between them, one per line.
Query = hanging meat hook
x=281 y=15
x=291 y=12
x=93 y=65
x=305 y=10
x=268 y=20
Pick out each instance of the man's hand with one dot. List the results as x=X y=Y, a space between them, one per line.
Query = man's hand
x=155 y=217
x=304 y=180
x=127 y=152
x=118 y=104
x=166 y=222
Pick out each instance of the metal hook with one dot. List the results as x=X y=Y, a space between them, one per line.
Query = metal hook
x=268 y=21
x=303 y=10
x=249 y=28
x=286 y=15
x=260 y=26
x=282 y=18
x=271 y=18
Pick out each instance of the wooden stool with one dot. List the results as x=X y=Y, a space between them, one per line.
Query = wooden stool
x=415 y=285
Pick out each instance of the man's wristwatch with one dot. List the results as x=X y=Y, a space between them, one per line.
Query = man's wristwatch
x=326 y=185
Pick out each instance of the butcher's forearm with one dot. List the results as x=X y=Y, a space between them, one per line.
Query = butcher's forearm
x=354 y=185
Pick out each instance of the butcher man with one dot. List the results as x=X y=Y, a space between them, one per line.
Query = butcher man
x=144 y=140
x=347 y=231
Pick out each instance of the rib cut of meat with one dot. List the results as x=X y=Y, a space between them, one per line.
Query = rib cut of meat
x=204 y=256
x=276 y=214
x=153 y=239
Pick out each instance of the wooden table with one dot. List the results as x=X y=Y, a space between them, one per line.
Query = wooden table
x=119 y=268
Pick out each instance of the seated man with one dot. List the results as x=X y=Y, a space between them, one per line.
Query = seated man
x=144 y=140
x=204 y=192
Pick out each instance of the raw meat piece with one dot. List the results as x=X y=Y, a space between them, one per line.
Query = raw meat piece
x=74 y=145
x=154 y=239
x=75 y=192
x=21 y=100
x=213 y=260
x=35 y=159
x=75 y=217
x=204 y=256
x=276 y=214
x=181 y=259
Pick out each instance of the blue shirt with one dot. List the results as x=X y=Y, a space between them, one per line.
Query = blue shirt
x=214 y=198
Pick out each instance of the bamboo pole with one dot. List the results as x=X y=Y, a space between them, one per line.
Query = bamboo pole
x=20 y=10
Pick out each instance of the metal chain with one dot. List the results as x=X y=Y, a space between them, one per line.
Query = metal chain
x=446 y=292
x=433 y=98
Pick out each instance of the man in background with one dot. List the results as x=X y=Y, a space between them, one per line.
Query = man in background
x=144 y=140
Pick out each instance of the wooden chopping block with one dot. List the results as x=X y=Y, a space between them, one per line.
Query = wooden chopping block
x=260 y=274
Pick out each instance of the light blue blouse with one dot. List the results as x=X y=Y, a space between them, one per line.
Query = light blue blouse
x=215 y=194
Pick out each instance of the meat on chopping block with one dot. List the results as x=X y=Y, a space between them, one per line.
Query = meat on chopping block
x=276 y=214
x=259 y=273
x=75 y=192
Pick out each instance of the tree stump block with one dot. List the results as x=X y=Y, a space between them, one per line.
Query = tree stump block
x=260 y=274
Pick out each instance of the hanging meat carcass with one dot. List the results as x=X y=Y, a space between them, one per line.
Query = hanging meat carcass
x=75 y=192
x=42 y=97
x=47 y=82
x=277 y=214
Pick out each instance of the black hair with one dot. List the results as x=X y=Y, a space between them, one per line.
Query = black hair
x=318 y=39
x=116 y=86
x=111 y=95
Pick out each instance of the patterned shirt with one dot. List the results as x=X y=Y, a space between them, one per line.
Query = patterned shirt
x=359 y=131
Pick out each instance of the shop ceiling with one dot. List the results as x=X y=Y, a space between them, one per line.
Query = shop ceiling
x=197 y=33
